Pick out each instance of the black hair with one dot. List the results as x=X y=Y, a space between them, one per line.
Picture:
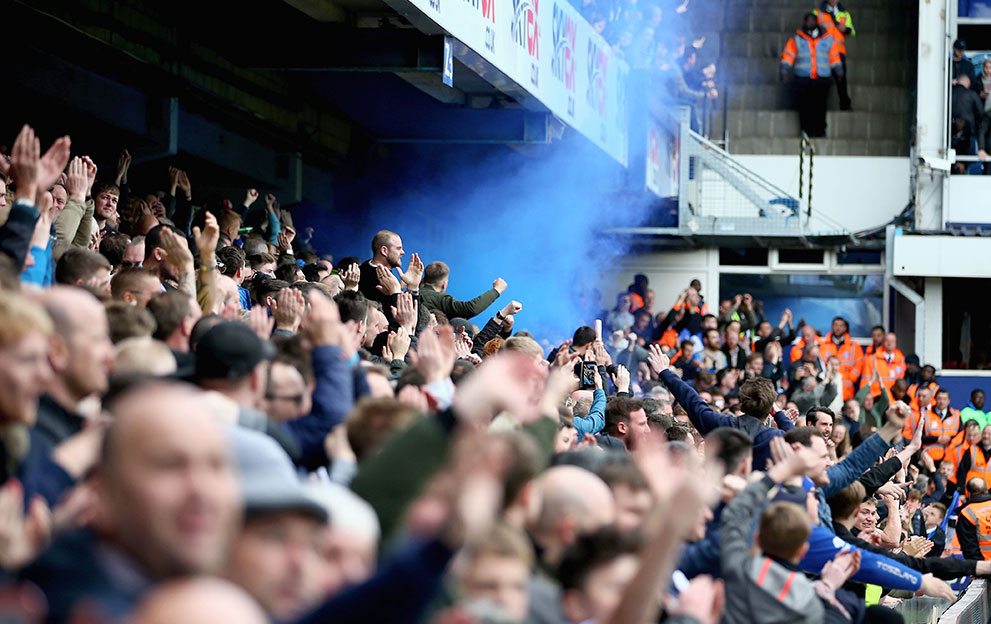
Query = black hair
x=593 y=551
x=352 y=305
x=583 y=336
x=812 y=414
x=734 y=446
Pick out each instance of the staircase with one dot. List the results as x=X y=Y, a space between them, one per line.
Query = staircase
x=761 y=117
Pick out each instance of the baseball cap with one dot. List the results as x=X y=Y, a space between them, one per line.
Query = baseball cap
x=268 y=479
x=460 y=324
x=230 y=350
x=960 y=44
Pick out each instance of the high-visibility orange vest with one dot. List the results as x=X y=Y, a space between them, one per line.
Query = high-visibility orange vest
x=936 y=426
x=913 y=391
x=669 y=339
x=811 y=57
x=796 y=351
x=953 y=550
x=851 y=354
x=958 y=446
x=980 y=515
x=703 y=310
x=887 y=373
x=908 y=431
x=978 y=465
x=825 y=20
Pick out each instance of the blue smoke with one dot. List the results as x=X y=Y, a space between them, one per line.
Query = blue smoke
x=538 y=221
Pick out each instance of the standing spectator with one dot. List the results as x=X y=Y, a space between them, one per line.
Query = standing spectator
x=713 y=358
x=275 y=556
x=961 y=64
x=967 y=105
x=815 y=56
x=975 y=409
x=766 y=334
x=736 y=355
x=620 y=318
x=81 y=355
x=688 y=361
x=877 y=339
x=972 y=522
x=435 y=297
x=387 y=253
x=166 y=505
x=176 y=313
x=809 y=336
x=933 y=515
x=977 y=463
x=926 y=378
x=837 y=21
x=772 y=582
x=941 y=425
x=839 y=343
x=626 y=420
x=982 y=82
x=883 y=368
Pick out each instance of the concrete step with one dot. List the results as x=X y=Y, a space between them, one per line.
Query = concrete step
x=824 y=147
x=765 y=71
x=888 y=46
x=841 y=125
x=866 y=98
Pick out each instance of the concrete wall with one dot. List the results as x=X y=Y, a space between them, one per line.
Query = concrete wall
x=858 y=193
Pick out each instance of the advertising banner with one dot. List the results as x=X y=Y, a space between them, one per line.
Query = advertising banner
x=662 y=159
x=546 y=47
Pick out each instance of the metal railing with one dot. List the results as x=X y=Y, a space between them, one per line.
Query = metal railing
x=972 y=608
x=805 y=146
x=718 y=195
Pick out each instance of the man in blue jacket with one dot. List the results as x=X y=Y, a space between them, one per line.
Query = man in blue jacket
x=756 y=400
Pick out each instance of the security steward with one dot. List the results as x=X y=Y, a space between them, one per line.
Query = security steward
x=815 y=56
x=975 y=464
x=837 y=21
x=974 y=523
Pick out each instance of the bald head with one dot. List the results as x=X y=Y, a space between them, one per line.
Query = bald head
x=573 y=494
x=81 y=353
x=166 y=487
x=229 y=295
x=70 y=308
x=202 y=600
x=976 y=486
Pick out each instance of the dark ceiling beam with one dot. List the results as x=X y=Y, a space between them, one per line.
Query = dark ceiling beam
x=476 y=126
x=335 y=49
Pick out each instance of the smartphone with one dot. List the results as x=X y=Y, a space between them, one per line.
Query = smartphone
x=585 y=372
x=246 y=230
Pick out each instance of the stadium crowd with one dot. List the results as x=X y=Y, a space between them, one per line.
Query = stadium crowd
x=204 y=420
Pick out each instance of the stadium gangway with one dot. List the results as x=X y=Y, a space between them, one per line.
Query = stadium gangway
x=718 y=196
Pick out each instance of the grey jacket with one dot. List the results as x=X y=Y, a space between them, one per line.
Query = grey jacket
x=758 y=589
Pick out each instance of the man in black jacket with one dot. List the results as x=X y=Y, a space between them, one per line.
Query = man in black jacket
x=967 y=105
x=81 y=357
x=387 y=253
x=844 y=506
x=969 y=518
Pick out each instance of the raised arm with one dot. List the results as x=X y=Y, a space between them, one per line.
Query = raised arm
x=474 y=307
x=703 y=417
x=863 y=457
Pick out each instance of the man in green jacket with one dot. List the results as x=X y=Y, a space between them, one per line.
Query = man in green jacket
x=433 y=291
x=975 y=409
